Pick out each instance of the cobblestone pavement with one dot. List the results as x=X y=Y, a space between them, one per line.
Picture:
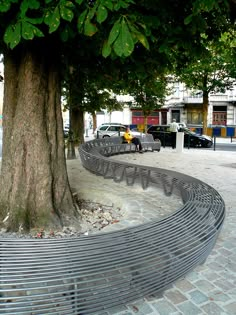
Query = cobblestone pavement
x=208 y=289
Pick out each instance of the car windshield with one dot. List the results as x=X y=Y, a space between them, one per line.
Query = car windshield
x=189 y=131
x=103 y=128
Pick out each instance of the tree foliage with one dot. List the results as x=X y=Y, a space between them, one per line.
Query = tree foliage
x=212 y=71
x=127 y=22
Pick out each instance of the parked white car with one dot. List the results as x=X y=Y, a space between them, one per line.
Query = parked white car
x=113 y=130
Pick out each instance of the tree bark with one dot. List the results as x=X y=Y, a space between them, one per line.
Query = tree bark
x=77 y=124
x=94 y=121
x=205 y=111
x=34 y=187
x=205 y=104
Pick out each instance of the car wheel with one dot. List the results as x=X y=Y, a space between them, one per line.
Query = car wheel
x=209 y=145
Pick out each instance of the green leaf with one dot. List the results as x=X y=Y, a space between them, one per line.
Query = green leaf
x=124 y=44
x=55 y=21
x=108 y=4
x=79 y=1
x=5 y=5
x=29 y=4
x=34 y=4
x=29 y=31
x=92 y=12
x=188 y=19
x=122 y=4
x=8 y=34
x=66 y=13
x=139 y=36
x=101 y=14
x=81 y=20
x=16 y=36
x=142 y=39
x=12 y=35
x=34 y=21
x=89 y=28
x=106 y=49
x=48 y=17
x=115 y=31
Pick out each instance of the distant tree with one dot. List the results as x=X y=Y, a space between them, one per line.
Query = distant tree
x=149 y=95
x=88 y=88
x=214 y=72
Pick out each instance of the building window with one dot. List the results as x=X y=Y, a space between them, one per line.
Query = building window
x=176 y=115
x=219 y=115
x=137 y=113
x=194 y=117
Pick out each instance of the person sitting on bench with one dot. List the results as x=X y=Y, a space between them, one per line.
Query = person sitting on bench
x=131 y=139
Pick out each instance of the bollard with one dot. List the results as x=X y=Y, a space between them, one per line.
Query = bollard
x=164 y=140
x=188 y=141
x=179 y=142
x=214 y=141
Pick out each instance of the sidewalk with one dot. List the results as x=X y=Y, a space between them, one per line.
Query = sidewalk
x=210 y=288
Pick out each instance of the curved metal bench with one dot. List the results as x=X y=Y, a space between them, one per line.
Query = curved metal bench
x=89 y=274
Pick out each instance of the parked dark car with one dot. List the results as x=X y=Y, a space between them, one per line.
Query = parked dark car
x=192 y=139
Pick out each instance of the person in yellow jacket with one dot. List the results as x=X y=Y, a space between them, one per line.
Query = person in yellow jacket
x=131 y=139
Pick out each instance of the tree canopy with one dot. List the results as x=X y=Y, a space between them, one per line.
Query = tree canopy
x=127 y=22
x=211 y=71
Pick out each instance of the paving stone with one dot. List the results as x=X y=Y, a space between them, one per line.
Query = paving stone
x=222 y=260
x=201 y=267
x=225 y=252
x=188 y=308
x=213 y=309
x=204 y=285
x=198 y=297
x=228 y=275
x=219 y=296
x=211 y=276
x=231 y=308
x=215 y=266
x=184 y=285
x=154 y=297
x=141 y=308
x=228 y=244
x=164 y=308
x=233 y=291
x=223 y=284
x=175 y=296
x=232 y=267
x=193 y=276
x=232 y=257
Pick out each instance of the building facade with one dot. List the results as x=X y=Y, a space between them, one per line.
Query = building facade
x=183 y=105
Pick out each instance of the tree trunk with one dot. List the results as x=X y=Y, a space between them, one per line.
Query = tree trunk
x=145 y=123
x=34 y=187
x=94 y=121
x=205 y=111
x=77 y=125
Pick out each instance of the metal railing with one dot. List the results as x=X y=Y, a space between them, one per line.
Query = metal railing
x=90 y=274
